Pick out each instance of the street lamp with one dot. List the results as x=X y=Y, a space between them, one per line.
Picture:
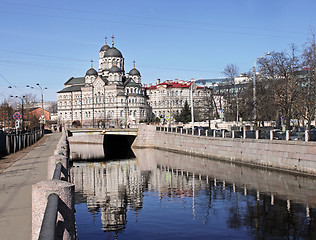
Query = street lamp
x=42 y=97
x=192 y=87
x=254 y=88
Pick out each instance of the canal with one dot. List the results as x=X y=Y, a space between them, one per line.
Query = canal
x=153 y=194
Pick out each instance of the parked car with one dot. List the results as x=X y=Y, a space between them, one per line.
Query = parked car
x=312 y=134
x=296 y=136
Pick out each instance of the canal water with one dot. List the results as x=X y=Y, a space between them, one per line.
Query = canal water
x=162 y=195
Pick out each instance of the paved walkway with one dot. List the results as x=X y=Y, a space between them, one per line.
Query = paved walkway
x=18 y=172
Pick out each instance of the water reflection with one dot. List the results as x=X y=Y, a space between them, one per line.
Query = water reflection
x=255 y=203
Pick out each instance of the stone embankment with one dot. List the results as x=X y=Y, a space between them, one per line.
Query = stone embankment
x=291 y=156
x=53 y=199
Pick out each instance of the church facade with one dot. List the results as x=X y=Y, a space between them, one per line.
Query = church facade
x=108 y=97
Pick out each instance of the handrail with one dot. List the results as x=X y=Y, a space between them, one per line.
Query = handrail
x=257 y=134
x=48 y=229
x=57 y=172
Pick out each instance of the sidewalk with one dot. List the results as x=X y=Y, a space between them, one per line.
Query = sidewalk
x=29 y=167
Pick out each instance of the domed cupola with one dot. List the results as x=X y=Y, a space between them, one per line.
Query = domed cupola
x=91 y=71
x=91 y=74
x=105 y=47
x=135 y=74
x=115 y=69
x=113 y=52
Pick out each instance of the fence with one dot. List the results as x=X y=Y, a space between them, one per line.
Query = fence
x=11 y=143
x=257 y=134
x=53 y=199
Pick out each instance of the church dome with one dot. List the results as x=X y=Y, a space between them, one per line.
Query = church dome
x=104 y=48
x=91 y=71
x=115 y=69
x=113 y=52
x=134 y=71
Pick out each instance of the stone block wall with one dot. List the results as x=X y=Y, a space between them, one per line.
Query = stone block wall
x=297 y=156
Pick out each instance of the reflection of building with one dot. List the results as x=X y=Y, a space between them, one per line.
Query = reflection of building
x=107 y=97
x=111 y=187
x=245 y=195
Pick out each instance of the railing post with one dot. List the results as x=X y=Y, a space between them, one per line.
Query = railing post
x=223 y=133
x=244 y=133
x=181 y=130
x=206 y=133
x=65 y=191
x=306 y=135
x=199 y=132
x=271 y=135
x=233 y=134
x=257 y=134
x=214 y=133
x=287 y=135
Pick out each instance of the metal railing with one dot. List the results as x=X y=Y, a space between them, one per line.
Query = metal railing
x=48 y=229
x=250 y=134
x=13 y=142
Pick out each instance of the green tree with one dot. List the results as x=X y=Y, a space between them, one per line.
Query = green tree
x=185 y=115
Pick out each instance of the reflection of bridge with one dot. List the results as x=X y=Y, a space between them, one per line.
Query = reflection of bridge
x=116 y=142
x=107 y=131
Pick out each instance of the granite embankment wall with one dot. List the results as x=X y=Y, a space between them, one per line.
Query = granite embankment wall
x=296 y=156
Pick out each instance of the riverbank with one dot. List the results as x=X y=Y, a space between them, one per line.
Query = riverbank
x=291 y=156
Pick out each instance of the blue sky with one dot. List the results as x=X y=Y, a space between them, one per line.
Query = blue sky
x=48 y=42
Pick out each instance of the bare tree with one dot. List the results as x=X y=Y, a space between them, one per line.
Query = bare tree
x=232 y=91
x=309 y=78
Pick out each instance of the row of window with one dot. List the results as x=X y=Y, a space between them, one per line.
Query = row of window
x=100 y=114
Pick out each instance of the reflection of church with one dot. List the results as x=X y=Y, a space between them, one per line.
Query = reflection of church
x=107 y=97
x=110 y=188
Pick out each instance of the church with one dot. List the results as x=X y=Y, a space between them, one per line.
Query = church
x=108 y=97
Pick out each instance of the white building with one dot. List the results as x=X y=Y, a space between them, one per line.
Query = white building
x=167 y=99
x=105 y=98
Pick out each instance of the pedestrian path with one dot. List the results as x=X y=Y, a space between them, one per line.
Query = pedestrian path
x=16 y=187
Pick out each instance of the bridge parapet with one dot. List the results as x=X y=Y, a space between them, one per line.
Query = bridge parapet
x=107 y=131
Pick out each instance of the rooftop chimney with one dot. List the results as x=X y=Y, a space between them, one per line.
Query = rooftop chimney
x=158 y=81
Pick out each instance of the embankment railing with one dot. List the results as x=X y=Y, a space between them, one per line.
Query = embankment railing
x=53 y=199
x=254 y=134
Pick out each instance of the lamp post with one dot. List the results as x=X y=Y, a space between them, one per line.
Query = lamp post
x=254 y=88
x=42 y=95
x=21 y=98
x=192 y=110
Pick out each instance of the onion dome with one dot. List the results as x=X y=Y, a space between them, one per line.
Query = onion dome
x=115 y=69
x=91 y=71
x=134 y=71
x=113 y=52
x=105 y=47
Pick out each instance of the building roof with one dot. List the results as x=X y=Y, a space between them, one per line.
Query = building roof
x=115 y=69
x=135 y=72
x=104 y=48
x=91 y=71
x=73 y=88
x=113 y=52
x=172 y=84
x=74 y=81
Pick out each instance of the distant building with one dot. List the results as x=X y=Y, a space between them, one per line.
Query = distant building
x=167 y=99
x=108 y=97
